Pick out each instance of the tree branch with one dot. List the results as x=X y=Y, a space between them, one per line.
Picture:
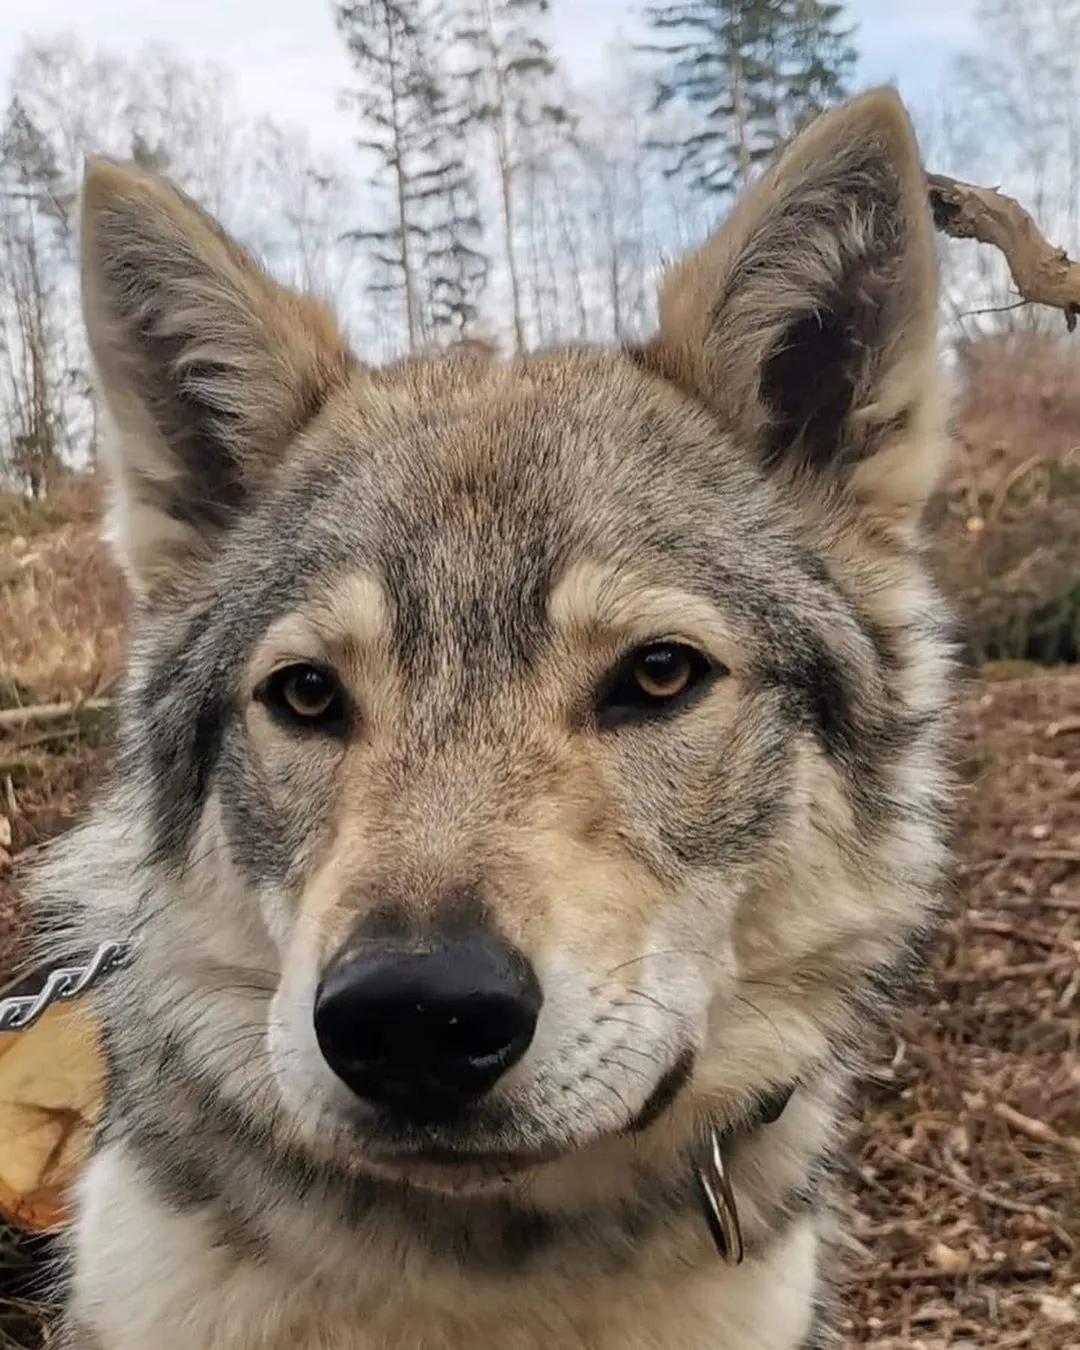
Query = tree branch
x=1043 y=274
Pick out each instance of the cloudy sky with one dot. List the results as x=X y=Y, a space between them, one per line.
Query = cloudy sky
x=288 y=61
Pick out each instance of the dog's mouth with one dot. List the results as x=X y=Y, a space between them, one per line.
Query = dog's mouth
x=455 y=1167
x=474 y=1147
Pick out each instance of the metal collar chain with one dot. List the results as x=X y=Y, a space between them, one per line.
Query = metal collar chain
x=67 y=982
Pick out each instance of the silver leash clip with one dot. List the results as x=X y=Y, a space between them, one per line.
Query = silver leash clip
x=63 y=984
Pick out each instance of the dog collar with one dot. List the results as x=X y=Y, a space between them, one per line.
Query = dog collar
x=714 y=1184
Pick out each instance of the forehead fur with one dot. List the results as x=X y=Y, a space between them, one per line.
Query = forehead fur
x=487 y=444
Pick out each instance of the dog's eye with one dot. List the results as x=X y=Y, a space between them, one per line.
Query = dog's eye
x=654 y=679
x=306 y=696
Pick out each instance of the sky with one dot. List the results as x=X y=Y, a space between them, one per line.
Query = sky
x=289 y=63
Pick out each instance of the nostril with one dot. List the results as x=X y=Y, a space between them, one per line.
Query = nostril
x=443 y=1021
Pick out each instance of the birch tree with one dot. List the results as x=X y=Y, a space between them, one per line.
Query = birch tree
x=511 y=94
x=31 y=353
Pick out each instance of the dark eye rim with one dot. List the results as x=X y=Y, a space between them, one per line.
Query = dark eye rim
x=334 y=720
x=622 y=702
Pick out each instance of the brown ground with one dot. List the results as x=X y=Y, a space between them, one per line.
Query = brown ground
x=965 y=1155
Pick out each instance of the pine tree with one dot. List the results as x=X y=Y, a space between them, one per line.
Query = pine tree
x=426 y=249
x=817 y=62
x=509 y=77
x=749 y=72
x=453 y=263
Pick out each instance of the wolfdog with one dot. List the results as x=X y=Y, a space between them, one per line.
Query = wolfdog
x=530 y=780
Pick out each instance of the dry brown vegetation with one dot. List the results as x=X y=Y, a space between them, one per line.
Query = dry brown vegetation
x=964 y=1186
x=1008 y=523
x=966 y=1154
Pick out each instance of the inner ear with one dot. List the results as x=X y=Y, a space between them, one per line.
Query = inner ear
x=808 y=386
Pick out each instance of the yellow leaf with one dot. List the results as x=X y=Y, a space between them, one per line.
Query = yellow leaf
x=948 y=1259
x=51 y=1090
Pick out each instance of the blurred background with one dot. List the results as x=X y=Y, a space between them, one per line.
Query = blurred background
x=516 y=173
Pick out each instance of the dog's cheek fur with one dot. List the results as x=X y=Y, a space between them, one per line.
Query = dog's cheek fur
x=278 y=793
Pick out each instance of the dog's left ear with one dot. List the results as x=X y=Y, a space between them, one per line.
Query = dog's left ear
x=208 y=367
x=808 y=322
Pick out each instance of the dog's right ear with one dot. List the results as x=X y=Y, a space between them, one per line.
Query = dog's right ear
x=208 y=368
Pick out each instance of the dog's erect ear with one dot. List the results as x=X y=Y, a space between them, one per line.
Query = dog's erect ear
x=808 y=322
x=206 y=365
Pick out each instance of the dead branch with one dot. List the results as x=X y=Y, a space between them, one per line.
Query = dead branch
x=966 y=1186
x=993 y=974
x=1002 y=1270
x=1065 y=727
x=1034 y=1129
x=1043 y=274
x=14 y=718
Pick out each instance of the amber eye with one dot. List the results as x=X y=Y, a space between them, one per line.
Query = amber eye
x=306 y=695
x=654 y=680
x=663 y=672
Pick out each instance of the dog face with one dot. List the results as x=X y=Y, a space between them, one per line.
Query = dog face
x=556 y=742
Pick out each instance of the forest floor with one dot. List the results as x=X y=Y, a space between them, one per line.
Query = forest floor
x=963 y=1185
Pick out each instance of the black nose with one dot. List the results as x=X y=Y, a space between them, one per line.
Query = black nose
x=425 y=1029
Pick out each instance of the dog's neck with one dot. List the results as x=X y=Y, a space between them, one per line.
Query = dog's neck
x=407 y=1259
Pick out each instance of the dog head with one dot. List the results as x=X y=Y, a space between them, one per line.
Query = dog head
x=556 y=741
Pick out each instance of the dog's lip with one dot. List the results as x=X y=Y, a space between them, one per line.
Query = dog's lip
x=461 y=1159
x=668 y=1088
x=493 y=1161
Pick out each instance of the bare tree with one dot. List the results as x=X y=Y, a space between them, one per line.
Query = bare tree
x=171 y=117
x=426 y=248
x=1024 y=81
x=613 y=190
x=168 y=113
x=509 y=73
x=31 y=400
x=308 y=199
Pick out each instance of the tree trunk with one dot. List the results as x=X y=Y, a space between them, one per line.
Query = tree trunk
x=738 y=107
x=401 y=185
x=505 y=165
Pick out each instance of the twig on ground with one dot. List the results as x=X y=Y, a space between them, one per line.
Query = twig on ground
x=969 y=1188
x=995 y=974
x=1003 y=1270
x=14 y=718
x=1063 y=727
x=1034 y=1129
